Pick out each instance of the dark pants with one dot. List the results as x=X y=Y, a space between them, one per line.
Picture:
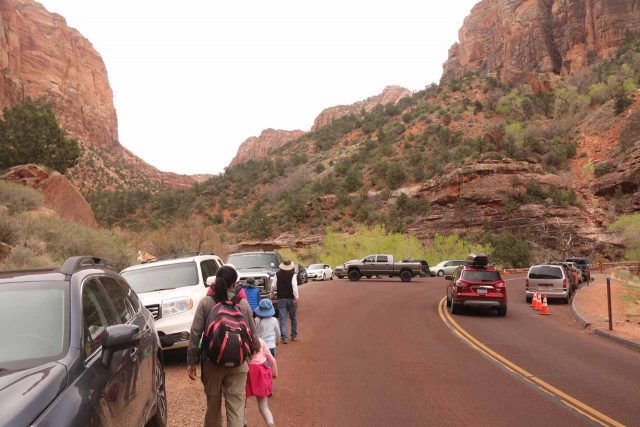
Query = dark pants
x=288 y=306
x=273 y=351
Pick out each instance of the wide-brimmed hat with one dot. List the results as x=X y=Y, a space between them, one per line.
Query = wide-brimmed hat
x=265 y=308
x=286 y=265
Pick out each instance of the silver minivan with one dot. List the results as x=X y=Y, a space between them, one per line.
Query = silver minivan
x=550 y=280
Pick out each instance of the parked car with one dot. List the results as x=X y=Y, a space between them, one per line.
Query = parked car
x=550 y=280
x=320 y=272
x=301 y=272
x=382 y=265
x=583 y=265
x=476 y=284
x=425 y=266
x=446 y=267
x=262 y=266
x=171 y=290
x=78 y=349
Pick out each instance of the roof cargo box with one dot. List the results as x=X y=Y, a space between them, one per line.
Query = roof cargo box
x=479 y=260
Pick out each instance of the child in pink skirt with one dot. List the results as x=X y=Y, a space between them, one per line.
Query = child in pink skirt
x=259 y=382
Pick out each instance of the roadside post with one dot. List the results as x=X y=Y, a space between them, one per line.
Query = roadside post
x=609 y=301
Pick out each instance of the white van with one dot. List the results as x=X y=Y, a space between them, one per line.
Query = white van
x=171 y=289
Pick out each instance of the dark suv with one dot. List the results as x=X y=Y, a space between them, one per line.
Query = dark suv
x=476 y=284
x=78 y=349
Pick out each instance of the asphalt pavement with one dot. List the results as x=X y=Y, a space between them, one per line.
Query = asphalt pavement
x=379 y=353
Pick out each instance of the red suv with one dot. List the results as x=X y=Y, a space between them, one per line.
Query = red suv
x=476 y=284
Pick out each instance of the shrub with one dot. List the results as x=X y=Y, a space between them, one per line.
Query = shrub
x=510 y=250
x=602 y=168
x=8 y=227
x=64 y=239
x=628 y=228
x=30 y=133
x=31 y=253
x=19 y=198
x=630 y=132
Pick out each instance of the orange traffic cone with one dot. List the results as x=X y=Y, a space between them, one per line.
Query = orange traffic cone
x=545 y=307
x=539 y=302
x=534 y=301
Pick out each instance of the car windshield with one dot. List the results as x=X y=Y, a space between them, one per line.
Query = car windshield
x=33 y=323
x=316 y=267
x=480 y=276
x=161 y=277
x=247 y=261
x=579 y=261
x=545 y=272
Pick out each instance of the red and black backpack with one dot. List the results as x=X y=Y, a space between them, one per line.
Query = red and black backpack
x=227 y=338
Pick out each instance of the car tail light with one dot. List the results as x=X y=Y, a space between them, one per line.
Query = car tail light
x=564 y=284
x=500 y=286
x=461 y=284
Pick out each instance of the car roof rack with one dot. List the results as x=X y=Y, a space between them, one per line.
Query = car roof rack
x=76 y=263
x=477 y=260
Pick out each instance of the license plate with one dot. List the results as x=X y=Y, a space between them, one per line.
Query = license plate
x=481 y=290
x=546 y=285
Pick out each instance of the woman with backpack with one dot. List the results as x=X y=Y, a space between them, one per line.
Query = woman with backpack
x=223 y=336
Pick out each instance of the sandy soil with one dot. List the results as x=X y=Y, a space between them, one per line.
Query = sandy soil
x=591 y=303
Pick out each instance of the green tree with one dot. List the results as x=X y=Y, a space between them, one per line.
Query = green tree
x=30 y=133
x=510 y=251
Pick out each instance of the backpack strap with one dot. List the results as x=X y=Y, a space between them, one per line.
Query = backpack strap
x=236 y=300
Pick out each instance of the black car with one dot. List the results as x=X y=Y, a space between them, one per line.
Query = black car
x=425 y=266
x=78 y=349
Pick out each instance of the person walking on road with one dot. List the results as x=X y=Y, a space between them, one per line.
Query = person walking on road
x=267 y=325
x=287 y=286
x=259 y=380
x=221 y=380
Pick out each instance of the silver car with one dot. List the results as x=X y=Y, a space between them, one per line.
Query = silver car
x=445 y=268
x=549 y=280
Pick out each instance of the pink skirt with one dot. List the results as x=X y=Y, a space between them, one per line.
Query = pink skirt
x=259 y=382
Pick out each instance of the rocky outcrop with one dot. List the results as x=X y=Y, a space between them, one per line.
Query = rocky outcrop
x=473 y=198
x=59 y=194
x=517 y=38
x=42 y=58
x=257 y=147
x=283 y=241
x=390 y=95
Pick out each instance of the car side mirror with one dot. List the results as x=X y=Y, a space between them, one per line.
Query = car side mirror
x=448 y=277
x=118 y=337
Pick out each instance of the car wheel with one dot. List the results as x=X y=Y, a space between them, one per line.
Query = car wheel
x=528 y=299
x=159 y=419
x=324 y=277
x=440 y=273
x=502 y=310
x=368 y=276
x=454 y=308
x=331 y=277
x=354 y=275
x=405 y=276
x=448 y=300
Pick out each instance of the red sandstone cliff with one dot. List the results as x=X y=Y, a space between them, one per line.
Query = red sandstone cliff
x=42 y=58
x=390 y=95
x=519 y=37
x=256 y=147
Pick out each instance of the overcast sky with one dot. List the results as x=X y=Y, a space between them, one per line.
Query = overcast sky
x=193 y=79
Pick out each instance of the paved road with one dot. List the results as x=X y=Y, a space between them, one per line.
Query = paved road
x=377 y=353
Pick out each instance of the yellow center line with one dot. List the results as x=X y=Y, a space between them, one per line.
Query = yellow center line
x=568 y=400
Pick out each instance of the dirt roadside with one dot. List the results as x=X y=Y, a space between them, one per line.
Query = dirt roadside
x=591 y=302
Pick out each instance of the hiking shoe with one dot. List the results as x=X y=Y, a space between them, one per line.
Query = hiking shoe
x=294 y=338
x=285 y=341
